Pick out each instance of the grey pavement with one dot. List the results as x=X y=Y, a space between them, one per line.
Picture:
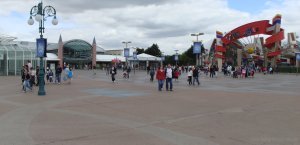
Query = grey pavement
x=92 y=110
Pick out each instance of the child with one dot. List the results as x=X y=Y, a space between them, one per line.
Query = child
x=51 y=76
x=152 y=73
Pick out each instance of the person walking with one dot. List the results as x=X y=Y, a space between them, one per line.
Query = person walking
x=50 y=76
x=37 y=74
x=160 y=76
x=196 y=75
x=169 y=77
x=113 y=72
x=58 y=71
x=189 y=75
x=128 y=70
x=152 y=73
x=26 y=83
x=211 y=71
x=68 y=74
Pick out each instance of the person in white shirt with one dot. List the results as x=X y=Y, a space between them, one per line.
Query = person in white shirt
x=169 y=76
x=190 y=74
x=29 y=66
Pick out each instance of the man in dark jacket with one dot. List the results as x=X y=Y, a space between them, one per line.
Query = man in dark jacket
x=196 y=75
x=58 y=71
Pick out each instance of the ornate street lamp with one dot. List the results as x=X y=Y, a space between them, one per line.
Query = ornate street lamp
x=41 y=14
x=134 y=55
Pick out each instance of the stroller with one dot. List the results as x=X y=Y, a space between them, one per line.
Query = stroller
x=125 y=74
x=235 y=74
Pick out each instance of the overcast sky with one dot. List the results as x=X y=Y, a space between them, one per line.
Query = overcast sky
x=168 y=23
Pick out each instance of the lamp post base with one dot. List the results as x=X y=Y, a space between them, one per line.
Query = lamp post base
x=42 y=91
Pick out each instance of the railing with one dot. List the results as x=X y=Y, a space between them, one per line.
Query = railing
x=288 y=69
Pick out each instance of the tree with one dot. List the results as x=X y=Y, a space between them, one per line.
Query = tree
x=140 y=51
x=185 y=60
x=188 y=57
x=153 y=50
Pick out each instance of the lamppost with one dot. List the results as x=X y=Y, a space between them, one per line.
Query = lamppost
x=197 y=52
x=176 y=56
x=134 y=55
x=41 y=14
x=162 y=59
x=126 y=50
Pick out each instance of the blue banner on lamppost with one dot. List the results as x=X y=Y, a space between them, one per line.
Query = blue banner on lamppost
x=41 y=47
x=134 y=55
x=126 y=52
x=163 y=58
x=297 y=56
x=197 y=47
x=176 y=57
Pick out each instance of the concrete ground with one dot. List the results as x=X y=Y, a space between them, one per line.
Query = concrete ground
x=92 y=110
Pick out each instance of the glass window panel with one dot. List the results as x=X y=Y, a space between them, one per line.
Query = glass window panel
x=2 y=63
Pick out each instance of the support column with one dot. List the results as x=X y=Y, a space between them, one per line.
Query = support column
x=219 y=50
x=220 y=64
x=60 y=52
x=239 y=57
x=94 y=53
x=276 y=23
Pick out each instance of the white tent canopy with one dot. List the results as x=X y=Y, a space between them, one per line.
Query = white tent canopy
x=52 y=57
x=109 y=58
x=146 y=57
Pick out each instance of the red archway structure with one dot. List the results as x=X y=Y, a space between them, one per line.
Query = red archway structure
x=272 y=43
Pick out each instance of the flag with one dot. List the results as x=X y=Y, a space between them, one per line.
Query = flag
x=277 y=19
x=219 y=34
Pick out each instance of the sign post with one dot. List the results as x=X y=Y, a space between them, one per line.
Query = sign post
x=41 y=49
x=134 y=58
x=298 y=60
x=126 y=55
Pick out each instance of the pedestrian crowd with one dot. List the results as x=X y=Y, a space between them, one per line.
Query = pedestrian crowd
x=31 y=77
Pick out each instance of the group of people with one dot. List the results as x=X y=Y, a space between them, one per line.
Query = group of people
x=169 y=73
x=165 y=75
x=30 y=76
x=239 y=71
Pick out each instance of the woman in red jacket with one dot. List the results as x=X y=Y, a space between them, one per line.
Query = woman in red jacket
x=160 y=76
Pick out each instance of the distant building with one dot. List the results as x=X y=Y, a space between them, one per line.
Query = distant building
x=78 y=53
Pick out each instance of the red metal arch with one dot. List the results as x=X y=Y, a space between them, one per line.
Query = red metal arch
x=250 y=29
x=254 y=28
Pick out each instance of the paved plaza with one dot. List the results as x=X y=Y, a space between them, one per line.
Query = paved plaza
x=92 y=110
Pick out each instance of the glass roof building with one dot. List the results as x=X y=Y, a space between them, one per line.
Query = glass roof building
x=14 y=54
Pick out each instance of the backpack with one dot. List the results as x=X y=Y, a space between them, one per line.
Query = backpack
x=152 y=72
x=70 y=74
